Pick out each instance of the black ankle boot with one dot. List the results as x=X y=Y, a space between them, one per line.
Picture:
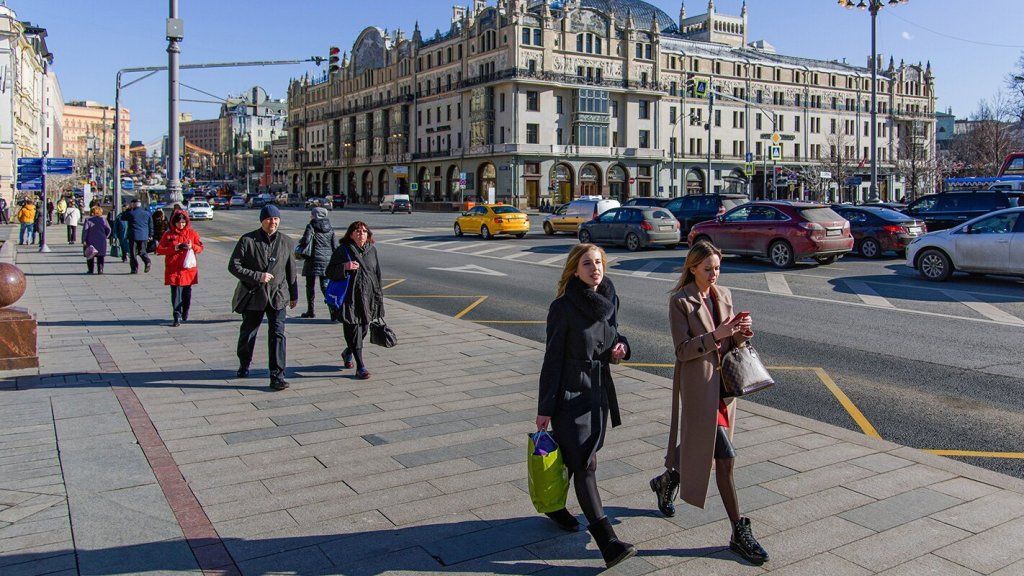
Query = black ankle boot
x=744 y=543
x=665 y=488
x=565 y=520
x=613 y=550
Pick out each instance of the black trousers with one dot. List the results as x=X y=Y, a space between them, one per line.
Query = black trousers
x=138 y=250
x=251 y=320
x=72 y=234
x=311 y=289
x=181 y=301
x=96 y=261
x=354 y=335
x=585 y=483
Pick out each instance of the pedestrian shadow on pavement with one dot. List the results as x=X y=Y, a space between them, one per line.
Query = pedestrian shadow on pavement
x=189 y=381
x=134 y=322
x=530 y=545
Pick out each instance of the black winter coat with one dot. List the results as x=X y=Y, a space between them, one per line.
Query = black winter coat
x=364 y=301
x=321 y=234
x=576 y=388
x=254 y=254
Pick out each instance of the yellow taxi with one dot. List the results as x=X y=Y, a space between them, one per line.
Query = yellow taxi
x=489 y=220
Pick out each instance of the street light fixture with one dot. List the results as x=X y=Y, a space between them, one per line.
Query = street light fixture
x=874 y=6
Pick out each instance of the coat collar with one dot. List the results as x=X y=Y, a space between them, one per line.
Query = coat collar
x=693 y=295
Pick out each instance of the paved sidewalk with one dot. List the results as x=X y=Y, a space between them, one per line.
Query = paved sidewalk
x=133 y=449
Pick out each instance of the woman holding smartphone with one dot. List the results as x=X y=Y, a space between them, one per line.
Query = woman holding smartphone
x=704 y=326
x=174 y=245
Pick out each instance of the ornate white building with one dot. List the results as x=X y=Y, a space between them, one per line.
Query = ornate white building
x=549 y=100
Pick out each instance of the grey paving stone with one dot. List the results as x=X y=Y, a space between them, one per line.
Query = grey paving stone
x=301 y=560
x=900 y=509
x=806 y=509
x=818 y=479
x=469 y=449
x=984 y=513
x=47 y=565
x=760 y=473
x=810 y=540
x=108 y=468
x=279 y=431
x=468 y=414
x=964 y=488
x=295 y=400
x=398 y=496
x=820 y=565
x=892 y=483
x=489 y=541
x=929 y=565
x=286 y=419
x=893 y=547
x=89 y=404
x=881 y=462
x=500 y=457
x=93 y=425
x=419 y=432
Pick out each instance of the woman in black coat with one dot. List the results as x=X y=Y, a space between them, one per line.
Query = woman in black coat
x=320 y=235
x=356 y=257
x=577 y=394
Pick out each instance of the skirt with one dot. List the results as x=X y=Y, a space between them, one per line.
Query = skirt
x=724 y=449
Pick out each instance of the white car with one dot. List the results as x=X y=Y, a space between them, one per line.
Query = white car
x=989 y=244
x=200 y=210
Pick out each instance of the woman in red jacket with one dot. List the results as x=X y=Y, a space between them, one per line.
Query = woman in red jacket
x=180 y=270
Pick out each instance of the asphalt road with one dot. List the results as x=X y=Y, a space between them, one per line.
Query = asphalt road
x=931 y=366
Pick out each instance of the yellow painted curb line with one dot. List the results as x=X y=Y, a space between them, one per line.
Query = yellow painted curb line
x=395 y=283
x=976 y=454
x=469 y=308
x=848 y=404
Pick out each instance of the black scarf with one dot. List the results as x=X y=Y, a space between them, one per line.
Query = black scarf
x=594 y=304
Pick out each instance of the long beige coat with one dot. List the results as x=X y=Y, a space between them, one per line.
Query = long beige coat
x=695 y=389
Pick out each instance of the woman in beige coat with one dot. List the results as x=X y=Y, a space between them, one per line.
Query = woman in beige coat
x=703 y=327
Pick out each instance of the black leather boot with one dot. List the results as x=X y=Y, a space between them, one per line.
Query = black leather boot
x=666 y=487
x=744 y=543
x=613 y=550
x=565 y=520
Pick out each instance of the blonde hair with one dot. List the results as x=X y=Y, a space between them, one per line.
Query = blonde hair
x=96 y=211
x=572 y=262
x=698 y=253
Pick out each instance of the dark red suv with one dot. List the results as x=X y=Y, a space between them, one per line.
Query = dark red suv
x=783 y=232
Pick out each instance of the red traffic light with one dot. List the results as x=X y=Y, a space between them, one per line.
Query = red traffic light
x=333 y=59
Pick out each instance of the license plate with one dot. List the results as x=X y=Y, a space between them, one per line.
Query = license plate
x=833 y=232
x=914 y=230
x=665 y=227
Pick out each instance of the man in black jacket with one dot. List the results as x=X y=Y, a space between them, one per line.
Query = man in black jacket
x=264 y=263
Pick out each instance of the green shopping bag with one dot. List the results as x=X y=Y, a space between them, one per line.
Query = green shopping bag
x=548 y=478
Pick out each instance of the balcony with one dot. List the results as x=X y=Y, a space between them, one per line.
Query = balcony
x=433 y=154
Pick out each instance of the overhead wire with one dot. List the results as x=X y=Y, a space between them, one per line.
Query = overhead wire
x=952 y=37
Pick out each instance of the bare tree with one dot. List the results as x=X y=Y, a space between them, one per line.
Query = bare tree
x=913 y=161
x=1015 y=84
x=837 y=163
x=991 y=134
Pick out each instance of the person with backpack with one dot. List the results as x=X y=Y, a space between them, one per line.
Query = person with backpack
x=316 y=247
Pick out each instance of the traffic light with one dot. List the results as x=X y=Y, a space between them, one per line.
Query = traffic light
x=333 y=60
x=690 y=81
x=697 y=87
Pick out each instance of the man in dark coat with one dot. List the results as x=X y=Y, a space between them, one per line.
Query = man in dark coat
x=320 y=240
x=140 y=232
x=264 y=263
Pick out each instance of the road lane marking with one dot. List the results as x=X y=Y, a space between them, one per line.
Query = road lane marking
x=470 y=269
x=412 y=242
x=488 y=251
x=510 y=321
x=392 y=240
x=552 y=260
x=395 y=283
x=867 y=294
x=848 y=404
x=463 y=247
x=515 y=255
x=985 y=309
x=777 y=283
x=978 y=454
x=646 y=269
x=469 y=308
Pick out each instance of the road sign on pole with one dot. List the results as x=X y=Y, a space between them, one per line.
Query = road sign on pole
x=748 y=168
x=750 y=157
x=59 y=165
x=775 y=152
x=776 y=137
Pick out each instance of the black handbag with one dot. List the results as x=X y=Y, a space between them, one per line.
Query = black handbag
x=381 y=335
x=742 y=373
x=150 y=246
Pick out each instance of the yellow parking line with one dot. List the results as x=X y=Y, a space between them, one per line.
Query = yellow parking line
x=848 y=404
x=510 y=321
x=647 y=365
x=469 y=308
x=977 y=454
x=430 y=296
x=395 y=283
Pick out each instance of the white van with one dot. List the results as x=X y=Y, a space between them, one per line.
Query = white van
x=567 y=218
x=389 y=199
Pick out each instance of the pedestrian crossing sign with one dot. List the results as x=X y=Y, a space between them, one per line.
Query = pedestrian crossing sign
x=748 y=168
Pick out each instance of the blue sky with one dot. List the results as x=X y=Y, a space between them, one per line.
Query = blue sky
x=92 y=39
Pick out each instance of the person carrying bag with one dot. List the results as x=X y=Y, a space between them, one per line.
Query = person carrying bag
x=355 y=261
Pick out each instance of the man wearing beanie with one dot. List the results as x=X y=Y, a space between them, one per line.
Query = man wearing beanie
x=264 y=263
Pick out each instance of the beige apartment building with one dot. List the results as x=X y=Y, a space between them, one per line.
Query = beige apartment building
x=531 y=101
x=89 y=134
x=202 y=133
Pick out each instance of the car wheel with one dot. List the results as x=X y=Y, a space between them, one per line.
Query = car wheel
x=826 y=260
x=548 y=229
x=521 y=235
x=485 y=232
x=870 y=248
x=935 y=266
x=585 y=237
x=633 y=242
x=781 y=254
x=458 y=230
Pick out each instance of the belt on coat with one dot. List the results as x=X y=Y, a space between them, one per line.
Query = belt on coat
x=596 y=370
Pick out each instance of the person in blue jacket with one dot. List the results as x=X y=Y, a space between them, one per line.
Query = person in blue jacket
x=140 y=232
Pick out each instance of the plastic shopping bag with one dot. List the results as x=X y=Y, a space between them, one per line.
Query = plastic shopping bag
x=190 y=260
x=548 y=478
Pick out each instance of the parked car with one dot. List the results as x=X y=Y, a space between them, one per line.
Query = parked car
x=635 y=226
x=897 y=206
x=646 y=201
x=941 y=211
x=781 y=231
x=237 y=202
x=200 y=210
x=315 y=202
x=568 y=217
x=401 y=205
x=220 y=202
x=690 y=210
x=489 y=220
x=338 y=201
x=389 y=199
x=878 y=230
x=989 y=244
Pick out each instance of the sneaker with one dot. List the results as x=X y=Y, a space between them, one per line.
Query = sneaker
x=176 y=323
x=744 y=543
x=363 y=374
x=308 y=314
x=146 y=269
x=278 y=383
x=243 y=372
x=665 y=488
x=347 y=357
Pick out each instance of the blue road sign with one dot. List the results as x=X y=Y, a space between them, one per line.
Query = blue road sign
x=30 y=171
x=22 y=162
x=128 y=185
x=59 y=165
x=750 y=157
x=32 y=184
x=854 y=181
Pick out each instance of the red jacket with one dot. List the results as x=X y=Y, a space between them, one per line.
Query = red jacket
x=175 y=273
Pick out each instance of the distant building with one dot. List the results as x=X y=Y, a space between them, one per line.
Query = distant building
x=248 y=123
x=89 y=135
x=945 y=125
x=202 y=133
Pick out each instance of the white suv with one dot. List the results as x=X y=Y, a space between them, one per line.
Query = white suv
x=989 y=244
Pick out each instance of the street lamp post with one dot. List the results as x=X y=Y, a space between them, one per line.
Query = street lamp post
x=873 y=6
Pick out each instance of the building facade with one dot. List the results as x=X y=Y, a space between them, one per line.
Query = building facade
x=248 y=123
x=89 y=136
x=531 y=101
x=202 y=133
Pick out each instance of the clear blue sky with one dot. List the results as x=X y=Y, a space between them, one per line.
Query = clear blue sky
x=92 y=39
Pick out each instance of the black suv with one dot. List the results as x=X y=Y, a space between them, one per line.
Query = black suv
x=646 y=201
x=401 y=205
x=691 y=210
x=942 y=211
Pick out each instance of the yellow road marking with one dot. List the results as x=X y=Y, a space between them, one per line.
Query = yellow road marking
x=469 y=308
x=510 y=321
x=976 y=454
x=431 y=296
x=647 y=365
x=848 y=404
x=395 y=283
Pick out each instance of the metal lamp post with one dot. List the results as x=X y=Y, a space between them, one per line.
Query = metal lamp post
x=873 y=6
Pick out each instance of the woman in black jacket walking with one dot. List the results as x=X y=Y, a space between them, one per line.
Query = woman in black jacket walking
x=577 y=394
x=356 y=257
x=320 y=236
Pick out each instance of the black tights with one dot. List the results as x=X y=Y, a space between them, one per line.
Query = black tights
x=585 y=482
x=354 y=334
x=727 y=487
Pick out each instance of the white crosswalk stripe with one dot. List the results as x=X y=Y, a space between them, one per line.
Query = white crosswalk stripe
x=515 y=255
x=489 y=250
x=868 y=294
x=464 y=246
x=985 y=309
x=777 y=283
x=554 y=259
x=646 y=269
